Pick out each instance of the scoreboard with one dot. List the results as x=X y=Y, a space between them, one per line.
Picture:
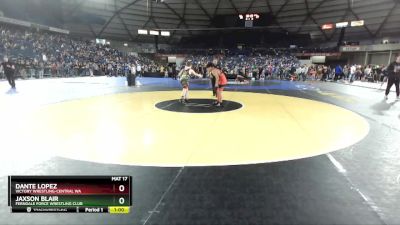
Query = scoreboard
x=70 y=194
x=241 y=20
x=251 y=16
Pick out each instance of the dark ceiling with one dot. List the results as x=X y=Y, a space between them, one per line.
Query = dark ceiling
x=120 y=19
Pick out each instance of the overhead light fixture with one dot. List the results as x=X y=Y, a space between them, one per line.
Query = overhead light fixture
x=154 y=32
x=327 y=26
x=165 y=33
x=100 y=41
x=342 y=24
x=357 y=23
x=142 y=32
x=108 y=42
x=126 y=44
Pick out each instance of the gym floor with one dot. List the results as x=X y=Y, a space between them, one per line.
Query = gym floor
x=278 y=152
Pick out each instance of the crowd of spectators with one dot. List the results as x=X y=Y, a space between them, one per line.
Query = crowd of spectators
x=39 y=54
x=272 y=63
x=247 y=51
x=350 y=73
x=371 y=73
x=284 y=66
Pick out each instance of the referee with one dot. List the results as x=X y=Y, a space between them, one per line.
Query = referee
x=394 y=77
x=9 y=71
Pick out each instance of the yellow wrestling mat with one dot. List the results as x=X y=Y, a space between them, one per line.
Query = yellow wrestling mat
x=128 y=129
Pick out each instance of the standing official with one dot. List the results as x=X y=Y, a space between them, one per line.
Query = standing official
x=393 y=71
x=9 y=71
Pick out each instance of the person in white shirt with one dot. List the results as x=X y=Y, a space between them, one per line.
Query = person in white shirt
x=353 y=70
x=90 y=67
x=133 y=69
x=367 y=72
x=301 y=72
x=139 y=70
x=262 y=76
x=305 y=72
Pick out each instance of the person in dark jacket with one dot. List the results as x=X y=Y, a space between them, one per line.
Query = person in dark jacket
x=393 y=71
x=9 y=71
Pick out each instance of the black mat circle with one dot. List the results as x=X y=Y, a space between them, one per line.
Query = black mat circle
x=198 y=106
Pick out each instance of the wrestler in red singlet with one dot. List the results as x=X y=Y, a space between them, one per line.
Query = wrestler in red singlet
x=220 y=81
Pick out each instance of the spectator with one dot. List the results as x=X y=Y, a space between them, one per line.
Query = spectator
x=367 y=72
x=345 y=72
x=338 y=72
x=1 y=72
x=139 y=70
x=353 y=70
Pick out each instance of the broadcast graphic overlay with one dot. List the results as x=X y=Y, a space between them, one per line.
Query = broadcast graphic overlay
x=70 y=194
